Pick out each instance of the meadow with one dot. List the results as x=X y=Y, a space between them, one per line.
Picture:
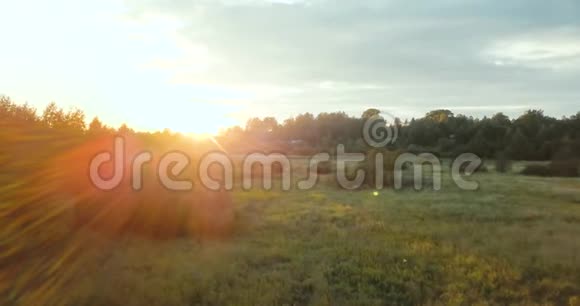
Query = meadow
x=512 y=242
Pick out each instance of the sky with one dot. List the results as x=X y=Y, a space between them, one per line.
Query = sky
x=201 y=65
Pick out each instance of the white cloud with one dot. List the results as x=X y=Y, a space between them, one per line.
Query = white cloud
x=283 y=57
x=555 y=49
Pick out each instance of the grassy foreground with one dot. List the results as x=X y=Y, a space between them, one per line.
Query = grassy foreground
x=512 y=242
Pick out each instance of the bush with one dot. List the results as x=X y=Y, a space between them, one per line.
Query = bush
x=502 y=163
x=565 y=168
x=389 y=159
x=325 y=167
x=536 y=170
x=304 y=151
x=257 y=170
x=481 y=168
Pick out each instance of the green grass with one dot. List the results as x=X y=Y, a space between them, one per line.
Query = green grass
x=512 y=242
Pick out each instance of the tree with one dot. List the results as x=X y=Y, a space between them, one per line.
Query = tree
x=502 y=163
x=501 y=119
x=305 y=128
x=519 y=147
x=269 y=124
x=369 y=113
x=53 y=116
x=257 y=125
x=125 y=130
x=440 y=115
x=531 y=122
x=95 y=125
x=14 y=113
x=75 y=120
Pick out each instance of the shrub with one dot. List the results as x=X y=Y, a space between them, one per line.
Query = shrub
x=304 y=151
x=325 y=167
x=481 y=168
x=389 y=158
x=502 y=163
x=561 y=168
x=564 y=168
x=536 y=170
x=257 y=170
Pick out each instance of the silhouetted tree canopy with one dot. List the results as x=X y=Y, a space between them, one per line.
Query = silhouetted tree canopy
x=531 y=136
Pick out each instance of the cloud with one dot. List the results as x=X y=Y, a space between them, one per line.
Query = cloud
x=556 y=49
x=322 y=55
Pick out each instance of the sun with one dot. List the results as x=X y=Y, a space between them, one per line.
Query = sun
x=200 y=136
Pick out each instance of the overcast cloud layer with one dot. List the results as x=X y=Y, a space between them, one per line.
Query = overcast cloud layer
x=284 y=57
x=475 y=57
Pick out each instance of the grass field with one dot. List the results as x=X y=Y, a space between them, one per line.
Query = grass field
x=512 y=242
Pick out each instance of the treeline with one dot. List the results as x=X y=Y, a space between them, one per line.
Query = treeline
x=531 y=136
x=55 y=121
x=30 y=138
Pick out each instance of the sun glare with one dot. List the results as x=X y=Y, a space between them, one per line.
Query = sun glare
x=200 y=136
